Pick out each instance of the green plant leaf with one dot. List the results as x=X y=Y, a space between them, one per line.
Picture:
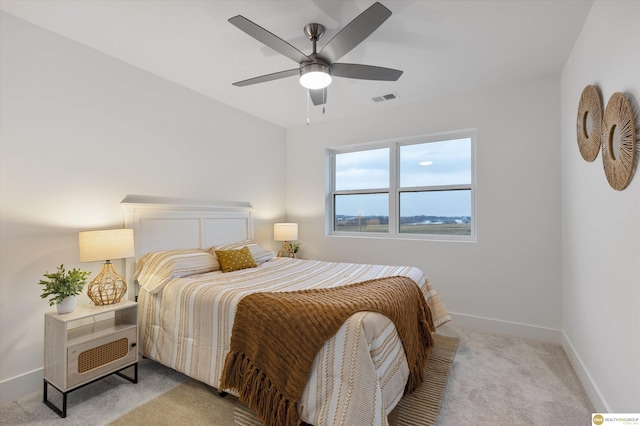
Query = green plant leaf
x=62 y=284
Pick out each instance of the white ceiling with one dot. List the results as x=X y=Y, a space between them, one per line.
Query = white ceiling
x=444 y=47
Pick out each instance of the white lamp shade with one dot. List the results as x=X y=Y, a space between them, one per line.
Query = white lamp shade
x=285 y=231
x=106 y=245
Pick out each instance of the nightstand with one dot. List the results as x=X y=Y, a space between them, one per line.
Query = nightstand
x=286 y=254
x=89 y=344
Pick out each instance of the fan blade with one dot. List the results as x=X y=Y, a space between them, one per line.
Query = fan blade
x=268 y=77
x=364 y=72
x=318 y=96
x=269 y=39
x=355 y=32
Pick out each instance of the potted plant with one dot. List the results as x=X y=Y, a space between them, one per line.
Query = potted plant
x=295 y=247
x=64 y=286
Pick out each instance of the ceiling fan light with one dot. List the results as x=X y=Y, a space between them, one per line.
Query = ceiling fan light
x=315 y=76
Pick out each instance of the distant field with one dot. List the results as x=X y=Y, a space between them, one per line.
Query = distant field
x=440 y=229
x=362 y=228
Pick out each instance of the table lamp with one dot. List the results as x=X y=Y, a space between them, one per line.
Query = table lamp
x=285 y=232
x=108 y=286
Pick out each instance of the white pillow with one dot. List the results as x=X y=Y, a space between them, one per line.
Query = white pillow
x=260 y=255
x=155 y=269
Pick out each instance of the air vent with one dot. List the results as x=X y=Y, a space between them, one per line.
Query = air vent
x=387 y=97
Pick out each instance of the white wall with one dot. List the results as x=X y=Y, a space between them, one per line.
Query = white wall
x=509 y=280
x=601 y=226
x=81 y=130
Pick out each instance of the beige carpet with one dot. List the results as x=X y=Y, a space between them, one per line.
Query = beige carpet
x=494 y=380
x=194 y=403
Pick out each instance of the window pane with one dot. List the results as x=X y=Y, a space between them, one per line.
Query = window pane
x=362 y=213
x=362 y=169
x=436 y=163
x=436 y=212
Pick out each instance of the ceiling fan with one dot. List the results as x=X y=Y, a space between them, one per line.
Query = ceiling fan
x=316 y=70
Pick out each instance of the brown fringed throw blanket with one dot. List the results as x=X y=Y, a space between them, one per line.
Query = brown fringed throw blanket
x=276 y=337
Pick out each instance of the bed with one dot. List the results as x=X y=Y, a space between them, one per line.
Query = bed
x=187 y=307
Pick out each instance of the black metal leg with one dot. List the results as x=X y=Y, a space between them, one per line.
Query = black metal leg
x=62 y=413
x=135 y=374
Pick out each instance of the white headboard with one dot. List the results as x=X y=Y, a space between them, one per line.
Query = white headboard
x=172 y=223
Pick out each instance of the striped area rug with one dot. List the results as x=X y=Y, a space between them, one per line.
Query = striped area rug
x=419 y=408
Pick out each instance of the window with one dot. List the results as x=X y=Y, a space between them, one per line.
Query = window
x=419 y=188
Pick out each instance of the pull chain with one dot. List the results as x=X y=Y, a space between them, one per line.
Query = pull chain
x=324 y=99
x=308 y=100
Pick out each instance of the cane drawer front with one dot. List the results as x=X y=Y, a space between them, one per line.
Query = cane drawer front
x=95 y=358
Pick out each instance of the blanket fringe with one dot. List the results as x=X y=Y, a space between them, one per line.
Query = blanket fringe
x=256 y=390
x=416 y=376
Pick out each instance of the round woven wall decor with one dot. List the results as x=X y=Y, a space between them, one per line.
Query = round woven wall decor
x=619 y=167
x=589 y=134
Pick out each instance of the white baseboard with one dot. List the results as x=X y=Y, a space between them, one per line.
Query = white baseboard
x=14 y=387
x=517 y=329
x=598 y=401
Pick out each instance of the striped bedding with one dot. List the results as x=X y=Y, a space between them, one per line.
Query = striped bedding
x=359 y=374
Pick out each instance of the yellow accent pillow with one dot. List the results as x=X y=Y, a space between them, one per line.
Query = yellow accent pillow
x=234 y=260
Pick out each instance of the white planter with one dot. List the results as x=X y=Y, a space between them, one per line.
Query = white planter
x=68 y=305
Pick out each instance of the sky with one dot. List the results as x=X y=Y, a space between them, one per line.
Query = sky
x=426 y=164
